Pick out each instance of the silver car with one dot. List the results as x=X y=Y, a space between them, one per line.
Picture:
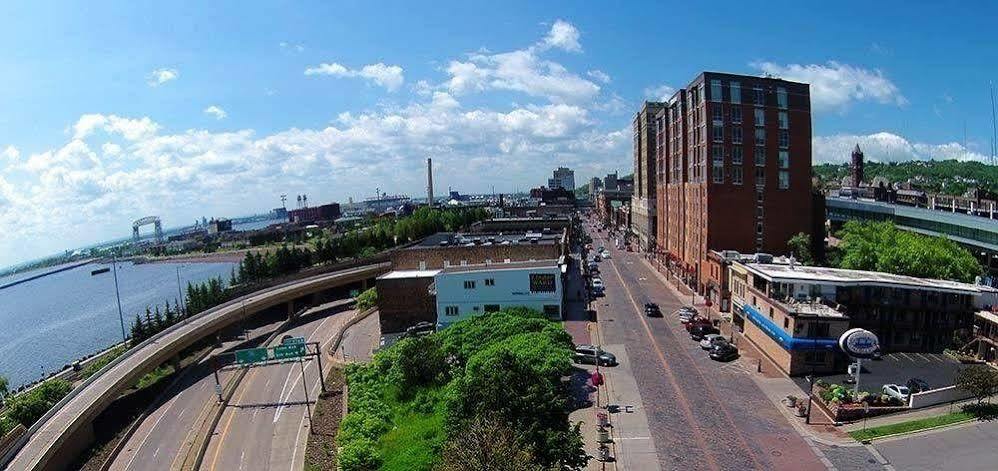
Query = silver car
x=710 y=340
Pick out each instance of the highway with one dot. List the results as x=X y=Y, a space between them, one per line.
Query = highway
x=265 y=425
x=59 y=435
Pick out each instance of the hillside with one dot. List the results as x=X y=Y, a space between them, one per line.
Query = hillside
x=949 y=177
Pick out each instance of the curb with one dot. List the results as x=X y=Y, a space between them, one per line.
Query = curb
x=914 y=432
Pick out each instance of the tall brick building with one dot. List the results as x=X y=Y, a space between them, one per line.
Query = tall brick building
x=643 y=203
x=733 y=157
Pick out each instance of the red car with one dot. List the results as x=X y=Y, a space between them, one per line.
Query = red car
x=697 y=321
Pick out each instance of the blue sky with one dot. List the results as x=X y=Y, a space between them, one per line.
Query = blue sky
x=114 y=111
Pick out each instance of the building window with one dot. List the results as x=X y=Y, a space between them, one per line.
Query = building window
x=736 y=91
x=715 y=90
x=464 y=262
x=784 y=179
x=450 y=311
x=759 y=196
x=759 y=212
x=758 y=228
x=760 y=116
x=760 y=136
x=814 y=358
x=784 y=138
x=552 y=310
x=542 y=283
x=491 y=308
x=736 y=135
x=782 y=119
x=446 y=263
x=736 y=155
x=718 y=132
x=760 y=176
x=718 y=172
x=490 y=282
x=736 y=114
x=422 y=265
x=760 y=156
x=760 y=97
x=469 y=284
x=786 y=323
x=784 y=159
x=736 y=175
x=717 y=153
x=718 y=113
x=781 y=97
x=818 y=330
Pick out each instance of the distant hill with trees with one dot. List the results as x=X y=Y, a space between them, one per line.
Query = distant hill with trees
x=949 y=177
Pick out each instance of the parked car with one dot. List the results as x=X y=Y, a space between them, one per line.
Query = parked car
x=697 y=322
x=916 y=385
x=419 y=329
x=598 y=283
x=710 y=340
x=588 y=354
x=723 y=352
x=597 y=258
x=606 y=254
x=699 y=331
x=652 y=310
x=897 y=391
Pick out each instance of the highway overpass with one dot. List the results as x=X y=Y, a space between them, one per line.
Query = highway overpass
x=65 y=431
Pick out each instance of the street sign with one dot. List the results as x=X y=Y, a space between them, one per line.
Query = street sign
x=294 y=350
x=251 y=355
x=218 y=389
x=293 y=341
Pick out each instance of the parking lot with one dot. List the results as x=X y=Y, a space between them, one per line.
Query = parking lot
x=936 y=369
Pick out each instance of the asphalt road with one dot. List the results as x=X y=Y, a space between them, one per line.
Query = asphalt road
x=265 y=425
x=702 y=414
x=966 y=448
x=82 y=405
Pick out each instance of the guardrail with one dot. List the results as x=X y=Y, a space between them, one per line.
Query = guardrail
x=12 y=452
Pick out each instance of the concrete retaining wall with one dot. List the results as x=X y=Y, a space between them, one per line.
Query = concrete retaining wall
x=938 y=396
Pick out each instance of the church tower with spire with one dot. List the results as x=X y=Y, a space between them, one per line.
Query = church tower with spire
x=857 y=167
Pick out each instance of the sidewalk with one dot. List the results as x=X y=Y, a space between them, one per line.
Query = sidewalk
x=916 y=414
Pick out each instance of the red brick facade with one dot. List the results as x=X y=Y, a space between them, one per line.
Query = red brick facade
x=731 y=182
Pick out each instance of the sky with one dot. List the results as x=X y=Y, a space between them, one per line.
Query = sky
x=115 y=110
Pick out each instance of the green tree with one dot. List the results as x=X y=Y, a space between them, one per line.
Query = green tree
x=138 y=330
x=800 y=248
x=367 y=299
x=4 y=385
x=981 y=381
x=487 y=443
x=879 y=246
x=158 y=319
x=30 y=406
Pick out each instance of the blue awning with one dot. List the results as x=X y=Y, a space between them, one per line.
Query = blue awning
x=784 y=339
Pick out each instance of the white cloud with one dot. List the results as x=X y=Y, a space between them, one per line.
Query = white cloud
x=292 y=47
x=659 y=93
x=563 y=35
x=130 y=129
x=887 y=147
x=160 y=76
x=216 y=112
x=10 y=154
x=111 y=149
x=599 y=75
x=388 y=76
x=836 y=86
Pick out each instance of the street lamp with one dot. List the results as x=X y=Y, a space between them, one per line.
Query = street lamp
x=117 y=294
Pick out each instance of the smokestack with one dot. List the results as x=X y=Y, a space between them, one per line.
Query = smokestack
x=429 y=181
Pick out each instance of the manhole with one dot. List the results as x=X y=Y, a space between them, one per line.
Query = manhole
x=776 y=453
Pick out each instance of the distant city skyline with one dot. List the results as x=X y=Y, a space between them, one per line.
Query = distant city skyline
x=217 y=110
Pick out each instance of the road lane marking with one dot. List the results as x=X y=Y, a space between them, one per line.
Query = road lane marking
x=284 y=397
x=143 y=442
x=684 y=403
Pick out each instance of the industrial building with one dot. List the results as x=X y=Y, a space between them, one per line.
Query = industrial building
x=312 y=214
x=467 y=291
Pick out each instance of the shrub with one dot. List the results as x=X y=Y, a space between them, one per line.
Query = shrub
x=31 y=406
x=367 y=299
x=359 y=455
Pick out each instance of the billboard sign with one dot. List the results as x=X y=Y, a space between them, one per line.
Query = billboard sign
x=859 y=343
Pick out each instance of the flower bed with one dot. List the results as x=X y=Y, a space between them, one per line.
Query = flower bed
x=845 y=406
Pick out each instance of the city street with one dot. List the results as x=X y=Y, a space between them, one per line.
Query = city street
x=966 y=447
x=701 y=414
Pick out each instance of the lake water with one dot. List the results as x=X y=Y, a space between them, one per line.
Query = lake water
x=51 y=321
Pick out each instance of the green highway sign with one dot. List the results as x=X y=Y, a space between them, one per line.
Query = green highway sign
x=251 y=355
x=286 y=351
x=294 y=340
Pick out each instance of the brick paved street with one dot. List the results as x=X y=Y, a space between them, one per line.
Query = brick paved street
x=702 y=414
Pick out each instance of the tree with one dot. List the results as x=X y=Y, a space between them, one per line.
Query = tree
x=800 y=247
x=981 y=381
x=158 y=318
x=138 y=330
x=880 y=246
x=30 y=406
x=4 y=385
x=487 y=444
x=171 y=316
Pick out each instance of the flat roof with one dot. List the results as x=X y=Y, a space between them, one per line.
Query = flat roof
x=988 y=316
x=457 y=239
x=812 y=309
x=840 y=276
x=397 y=274
x=552 y=263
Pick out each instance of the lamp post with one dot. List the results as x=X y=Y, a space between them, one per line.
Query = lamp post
x=810 y=389
x=117 y=295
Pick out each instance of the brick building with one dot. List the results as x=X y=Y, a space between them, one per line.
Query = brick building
x=643 y=202
x=734 y=170
x=326 y=212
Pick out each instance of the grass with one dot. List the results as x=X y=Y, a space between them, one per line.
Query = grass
x=912 y=425
x=154 y=376
x=94 y=366
x=413 y=443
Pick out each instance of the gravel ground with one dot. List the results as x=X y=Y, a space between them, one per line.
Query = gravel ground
x=321 y=451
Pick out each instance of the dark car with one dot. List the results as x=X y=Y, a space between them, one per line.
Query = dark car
x=652 y=310
x=723 y=352
x=916 y=385
x=698 y=332
x=418 y=329
x=588 y=354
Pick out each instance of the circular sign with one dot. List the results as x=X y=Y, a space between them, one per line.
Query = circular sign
x=859 y=343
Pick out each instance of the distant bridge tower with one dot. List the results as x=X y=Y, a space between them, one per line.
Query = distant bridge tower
x=157 y=225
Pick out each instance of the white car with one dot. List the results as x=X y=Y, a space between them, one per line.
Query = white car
x=710 y=340
x=897 y=391
x=605 y=255
x=597 y=284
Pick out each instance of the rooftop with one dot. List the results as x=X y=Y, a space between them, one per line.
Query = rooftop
x=397 y=274
x=456 y=239
x=813 y=309
x=501 y=266
x=843 y=277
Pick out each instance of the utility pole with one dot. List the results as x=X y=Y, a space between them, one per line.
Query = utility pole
x=117 y=295
x=308 y=406
x=180 y=292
